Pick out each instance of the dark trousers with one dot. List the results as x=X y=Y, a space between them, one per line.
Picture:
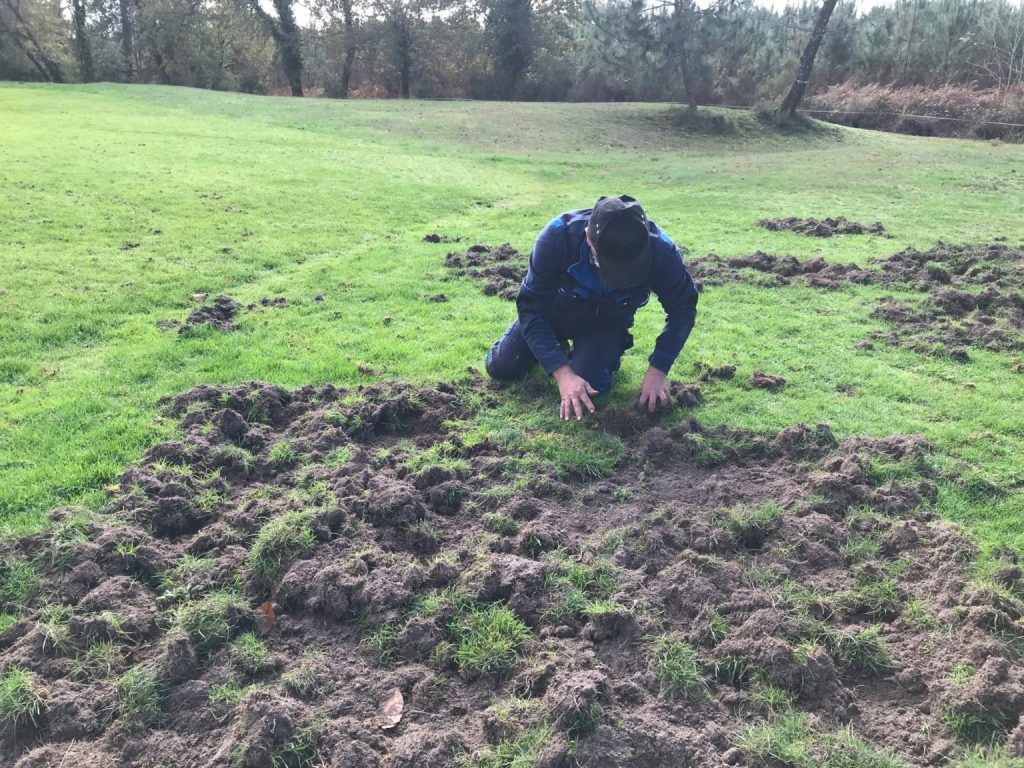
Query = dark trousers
x=594 y=356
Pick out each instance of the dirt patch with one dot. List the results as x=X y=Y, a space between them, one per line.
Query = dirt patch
x=434 y=237
x=220 y=315
x=278 y=302
x=254 y=590
x=500 y=269
x=973 y=295
x=826 y=227
x=762 y=380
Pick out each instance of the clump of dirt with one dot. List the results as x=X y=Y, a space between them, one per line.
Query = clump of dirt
x=500 y=269
x=762 y=380
x=434 y=237
x=220 y=315
x=707 y=372
x=826 y=227
x=256 y=589
x=974 y=294
x=278 y=302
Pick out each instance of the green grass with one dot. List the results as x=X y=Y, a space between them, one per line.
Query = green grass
x=21 y=700
x=213 y=620
x=279 y=544
x=678 y=667
x=99 y=661
x=230 y=694
x=789 y=740
x=138 y=698
x=522 y=751
x=488 y=641
x=111 y=227
x=249 y=654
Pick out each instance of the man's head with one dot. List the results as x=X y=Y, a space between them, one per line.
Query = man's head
x=620 y=242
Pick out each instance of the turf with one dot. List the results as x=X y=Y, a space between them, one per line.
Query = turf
x=117 y=203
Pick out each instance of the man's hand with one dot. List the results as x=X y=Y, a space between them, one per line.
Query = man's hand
x=654 y=390
x=576 y=393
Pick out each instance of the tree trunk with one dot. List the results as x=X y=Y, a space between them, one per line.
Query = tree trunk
x=683 y=58
x=403 y=42
x=287 y=40
x=83 y=51
x=127 y=40
x=803 y=72
x=50 y=66
x=350 y=47
x=290 y=45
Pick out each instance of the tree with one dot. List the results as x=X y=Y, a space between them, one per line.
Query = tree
x=287 y=39
x=16 y=25
x=83 y=49
x=127 y=18
x=803 y=72
x=509 y=25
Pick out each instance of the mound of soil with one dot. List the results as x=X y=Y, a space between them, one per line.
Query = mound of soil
x=220 y=315
x=500 y=269
x=974 y=293
x=367 y=545
x=762 y=380
x=826 y=227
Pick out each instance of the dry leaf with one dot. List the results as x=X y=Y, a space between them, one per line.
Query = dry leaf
x=390 y=707
x=265 y=621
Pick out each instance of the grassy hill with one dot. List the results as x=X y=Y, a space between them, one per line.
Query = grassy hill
x=119 y=203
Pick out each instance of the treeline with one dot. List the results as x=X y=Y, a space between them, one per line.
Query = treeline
x=730 y=53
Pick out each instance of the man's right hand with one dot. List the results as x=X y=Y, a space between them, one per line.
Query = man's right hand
x=576 y=393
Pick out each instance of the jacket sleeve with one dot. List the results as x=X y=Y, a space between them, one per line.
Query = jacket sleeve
x=675 y=290
x=537 y=295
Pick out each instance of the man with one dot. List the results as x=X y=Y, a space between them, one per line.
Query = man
x=590 y=271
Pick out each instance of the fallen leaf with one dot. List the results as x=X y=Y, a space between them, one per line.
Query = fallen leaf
x=390 y=707
x=265 y=621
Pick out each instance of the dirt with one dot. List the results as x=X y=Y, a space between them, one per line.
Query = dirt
x=771 y=382
x=434 y=237
x=969 y=295
x=219 y=315
x=826 y=227
x=500 y=269
x=402 y=505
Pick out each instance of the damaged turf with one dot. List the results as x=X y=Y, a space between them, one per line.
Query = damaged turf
x=348 y=578
x=974 y=293
x=827 y=227
x=500 y=269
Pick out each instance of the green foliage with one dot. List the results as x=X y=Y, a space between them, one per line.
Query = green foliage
x=733 y=670
x=20 y=584
x=962 y=674
x=280 y=543
x=717 y=628
x=382 y=643
x=488 y=641
x=300 y=751
x=339 y=457
x=973 y=728
x=499 y=523
x=213 y=620
x=282 y=455
x=789 y=740
x=138 y=698
x=52 y=624
x=21 y=700
x=678 y=666
x=98 y=662
x=249 y=653
x=862 y=650
x=522 y=751
x=231 y=694
x=771 y=697
x=585 y=586
x=988 y=757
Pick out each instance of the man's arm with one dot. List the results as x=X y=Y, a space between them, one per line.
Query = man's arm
x=678 y=296
x=537 y=294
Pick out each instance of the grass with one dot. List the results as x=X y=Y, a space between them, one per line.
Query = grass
x=98 y=662
x=21 y=700
x=213 y=620
x=523 y=751
x=185 y=173
x=280 y=543
x=249 y=654
x=488 y=641
x=230 y=694
x=138 y=698
x=678 y=667
x=750 y=526
x=789 y=740
x=20 y=584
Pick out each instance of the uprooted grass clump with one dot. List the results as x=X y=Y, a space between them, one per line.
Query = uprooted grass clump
x=213 y=620
x=279 y=543
x=139 y=694
x=21 y=699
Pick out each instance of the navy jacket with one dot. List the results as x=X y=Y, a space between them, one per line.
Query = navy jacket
x=562 y=296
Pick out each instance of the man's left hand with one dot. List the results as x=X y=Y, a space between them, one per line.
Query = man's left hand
x=654 y=390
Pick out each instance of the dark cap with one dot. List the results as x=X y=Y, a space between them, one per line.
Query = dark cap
x=621 y=242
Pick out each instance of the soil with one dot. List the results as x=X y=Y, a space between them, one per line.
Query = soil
x=973 y=294
x=220 y=315
x=762 y=380
x=758 y=595
x=826 y=227
x=500 y=269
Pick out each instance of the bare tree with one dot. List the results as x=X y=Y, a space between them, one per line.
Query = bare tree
x=803 y=72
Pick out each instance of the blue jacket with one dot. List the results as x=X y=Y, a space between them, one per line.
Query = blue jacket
x=562 y=296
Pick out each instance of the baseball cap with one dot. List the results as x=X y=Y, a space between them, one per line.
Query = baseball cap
x=621 y=239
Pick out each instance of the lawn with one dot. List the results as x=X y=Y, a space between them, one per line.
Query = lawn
x=117 y=203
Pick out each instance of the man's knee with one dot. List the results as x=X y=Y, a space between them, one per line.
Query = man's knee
x=510 y=357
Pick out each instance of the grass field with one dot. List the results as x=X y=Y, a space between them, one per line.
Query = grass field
x=117 y=203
